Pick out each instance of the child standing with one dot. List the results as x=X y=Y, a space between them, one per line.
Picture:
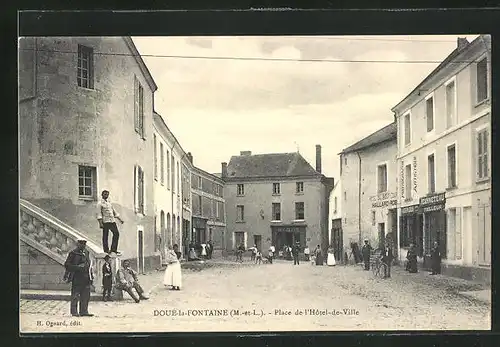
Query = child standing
x=107 y=279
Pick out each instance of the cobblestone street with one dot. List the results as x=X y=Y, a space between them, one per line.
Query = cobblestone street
x=274 y=296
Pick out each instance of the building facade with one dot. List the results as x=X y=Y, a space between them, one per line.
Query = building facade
x=444 y=165
x=208 y=209
x=276 y=199
x=335 y=233
x=369 y=189
x=85 y=125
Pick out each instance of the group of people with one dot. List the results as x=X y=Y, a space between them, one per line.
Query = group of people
x=386 y=257
x=200 y=251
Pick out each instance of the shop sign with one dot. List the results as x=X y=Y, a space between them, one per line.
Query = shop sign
x=435 y=199
x=415 y=177
x=409 y=210
x=288 y=229
x=385 y=199
x=432 y=208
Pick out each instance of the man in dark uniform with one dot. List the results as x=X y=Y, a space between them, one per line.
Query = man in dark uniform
x=387 y=258
x=366 y=252
x=295 y=252
x=79 y=269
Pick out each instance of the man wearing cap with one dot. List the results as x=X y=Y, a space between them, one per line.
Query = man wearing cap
x=126 y=279
x=366 y=252
x=79 y=268
x=295 y=252
x=107 y=216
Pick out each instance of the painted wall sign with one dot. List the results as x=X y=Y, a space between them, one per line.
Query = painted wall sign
x=415 y=177
x=402 y=173
x=432 y=208
x=385 y=203
x=409 y=209
x=383 y=196
x=433 y=199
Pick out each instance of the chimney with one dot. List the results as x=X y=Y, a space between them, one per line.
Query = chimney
x=318 y=158
x=246 y=153
x=462 y=42
x=224 y=170
x=190 y=157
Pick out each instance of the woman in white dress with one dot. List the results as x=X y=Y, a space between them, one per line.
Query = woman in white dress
x=203 y=251
x=330 y=260
x=173 y=276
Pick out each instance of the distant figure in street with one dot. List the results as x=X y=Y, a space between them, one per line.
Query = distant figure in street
x=210 y=249
x=435 y=259
x=270 y=255
x=127 y=280
x=319 y=255
x=107 y=216
x=80 y=273
x=273 y=250
x=258 y=257
x=239 y=253
x=330 y=260
x=107 y=279
x=387 y=257
x=366 y=251
x=295 y=252
x=307 y=253
x=176 y=251
x=254 y=252
x=203 y=251
x=411 y=256
x=173 y=274
x=355 y=252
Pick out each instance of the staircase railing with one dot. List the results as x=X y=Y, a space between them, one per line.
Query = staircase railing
x=56 y=239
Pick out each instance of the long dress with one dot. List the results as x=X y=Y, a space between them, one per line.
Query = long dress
x=204 y=249
x=330 y=260
x=319 y=257
x=173 y=275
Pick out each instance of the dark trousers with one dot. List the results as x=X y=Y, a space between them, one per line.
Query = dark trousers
x=107 y=285
x=367 y=263
x=295 y=259
x=80 y=294
x=130 y=290
x=106 y=228
x=387 y=269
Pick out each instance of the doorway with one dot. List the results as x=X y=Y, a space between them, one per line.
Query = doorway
x=257 y=241
x=140 y=253
x=381 y=235
x=336 y=238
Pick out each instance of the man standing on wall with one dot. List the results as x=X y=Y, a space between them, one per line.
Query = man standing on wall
x=106 y=215
x=79 y=269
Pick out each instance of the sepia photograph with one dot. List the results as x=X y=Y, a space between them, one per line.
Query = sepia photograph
x=254 y=183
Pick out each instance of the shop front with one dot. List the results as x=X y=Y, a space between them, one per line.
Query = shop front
x=411 y=223
x=199 y=232
x=288 y=235
x=433 y=209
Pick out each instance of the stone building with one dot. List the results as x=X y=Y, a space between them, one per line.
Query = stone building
x=444 y=162
x=85 y=124
x=369 y=189
x=275 y=199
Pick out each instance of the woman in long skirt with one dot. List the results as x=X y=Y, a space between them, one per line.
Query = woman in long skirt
x=330 y=260
x=319 y=256
x=173 y=276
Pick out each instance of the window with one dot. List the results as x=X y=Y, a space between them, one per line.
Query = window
x=455 y=233
x=85 y=67
x=299 y=211
x=241 y=189
x=382 y=178
x=240 y=238
x=139 y=189
x=407 y=132
x=162 y=165
x=178 y=179
x=276 y=188
x=450 y=105
x=168 y=169
x=240 y=213
x=139 y=108
x=335 y=204
x=373 y=218
x=276 y=211
x=200 y=182
x=452 y=167
x=87 y=188
x=408 y=182
x=429 y=107
x=155 y=153
x=345 y=195
x=217 y=211
x=300 y=187
x=431 y=174
x=173 y=173
x=345 y=160
x=200 y=204
x=482 y=80
x=482 y=155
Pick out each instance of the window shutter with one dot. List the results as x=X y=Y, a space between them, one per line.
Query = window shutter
x=486 y=166
x=135 y=189
x=245 y=239
x=143 y=193
x=136 y=105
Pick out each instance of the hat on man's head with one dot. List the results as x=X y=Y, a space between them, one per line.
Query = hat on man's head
x=106 y=257
x=81 y=241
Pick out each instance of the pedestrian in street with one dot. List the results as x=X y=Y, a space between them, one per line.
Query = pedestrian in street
x=330 y=259
x=307 y=253
x=273 y=251
x=366 y=252
x=435 y=259
x=127 y=280
x=295 y=252
x=411 y=256
x=241 y=250
x=80 y=273
x=254 y=253
x=319 y=255
x=173 y=274
x=258 y=257
x=270 y=255
x=203 y=251
x=107 y=216
x=210 y=245
x=387 y=257
x=107 y=279
x=176 y=251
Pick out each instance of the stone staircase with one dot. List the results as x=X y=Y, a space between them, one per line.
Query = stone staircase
x=45 y=243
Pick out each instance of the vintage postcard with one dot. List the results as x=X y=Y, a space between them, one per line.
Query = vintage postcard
x=274 y=183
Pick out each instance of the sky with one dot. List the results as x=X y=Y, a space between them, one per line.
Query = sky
x=219 y=107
